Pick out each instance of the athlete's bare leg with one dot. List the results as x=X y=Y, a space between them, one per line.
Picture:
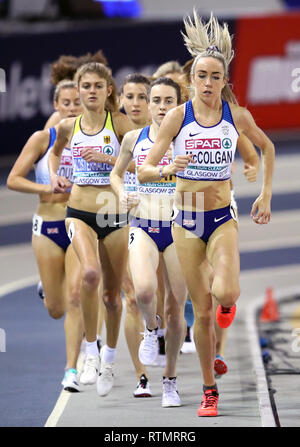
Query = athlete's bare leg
x=73 y=320
x=174 y=309
x=51 y=264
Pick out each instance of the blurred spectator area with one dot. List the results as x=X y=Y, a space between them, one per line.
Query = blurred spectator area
x=68 y=9
x=138 y=36
x=146 y=9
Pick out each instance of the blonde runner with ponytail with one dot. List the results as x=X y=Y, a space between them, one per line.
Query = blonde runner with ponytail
x=204 y=132
x=210 y=40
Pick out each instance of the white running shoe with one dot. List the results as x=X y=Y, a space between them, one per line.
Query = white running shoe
x=170 y=396
x=188 y=346
x=143 y=388
x=149 y=346
x=69 y=381
x=160 y=360
x=90 y=370
x=105 y=380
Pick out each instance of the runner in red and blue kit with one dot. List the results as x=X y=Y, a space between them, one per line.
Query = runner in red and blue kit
x=57 y=263
x=205 y=133
x=150 y=239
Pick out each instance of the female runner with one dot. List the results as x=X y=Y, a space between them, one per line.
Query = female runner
x=58 y=267
x=93 y=212
x=205 y=132
x=150 y=241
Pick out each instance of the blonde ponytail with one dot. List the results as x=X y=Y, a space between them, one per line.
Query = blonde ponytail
x=208 y=40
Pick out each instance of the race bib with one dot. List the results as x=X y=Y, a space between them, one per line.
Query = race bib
x=37 y=222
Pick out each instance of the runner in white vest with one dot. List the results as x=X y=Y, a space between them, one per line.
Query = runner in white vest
x=151 y=242
x=205 y=133
x=57 y=262
x=93 y=212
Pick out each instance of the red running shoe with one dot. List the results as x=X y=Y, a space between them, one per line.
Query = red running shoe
x=209 y=403
x=220 y=366
x=225 y=315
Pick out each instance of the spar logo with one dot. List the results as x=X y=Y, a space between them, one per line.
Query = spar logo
x=203 y=143
x=66 y=160
x=108 y=150
x=77 y=150
x=226 y=143
x=163 y=162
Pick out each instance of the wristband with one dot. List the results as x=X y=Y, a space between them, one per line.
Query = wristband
x=161 y=173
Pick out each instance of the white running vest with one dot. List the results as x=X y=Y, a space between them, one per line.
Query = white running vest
x=140 y=151
x=213 y=148
x=65 y=166
x=105 y=142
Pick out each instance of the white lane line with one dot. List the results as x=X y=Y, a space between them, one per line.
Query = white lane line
x=271 y=244
x=265 y=408
x=63 y=398
x=13 y=286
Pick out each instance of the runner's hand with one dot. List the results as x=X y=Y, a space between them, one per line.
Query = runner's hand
x=261 y=210
x=59 y=185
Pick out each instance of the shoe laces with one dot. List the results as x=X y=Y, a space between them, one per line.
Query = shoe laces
x=226 y=310
x=91 y=362
x=150 y=339
x=107 y=370
x=143 y=382
x=210 y=399
x=169 y=385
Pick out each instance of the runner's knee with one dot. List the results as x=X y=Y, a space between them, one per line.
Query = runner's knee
x=145 y=295
x=91 y=277
x=112 y=300
x=226 y=295
x=56 y=311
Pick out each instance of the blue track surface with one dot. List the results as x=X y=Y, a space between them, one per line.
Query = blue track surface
x=33 y=365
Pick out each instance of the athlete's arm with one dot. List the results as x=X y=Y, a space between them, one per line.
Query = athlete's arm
x=64 y=129
x=33 y=150
x=249 y=156
x=128 y=200
x=261 y=209
x=90 y=155
x=169 y=128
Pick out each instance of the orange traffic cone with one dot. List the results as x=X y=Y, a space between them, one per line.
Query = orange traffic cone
x=270 y=309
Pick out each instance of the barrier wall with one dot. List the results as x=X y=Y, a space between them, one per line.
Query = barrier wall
x=265 y=72
x=27 y=102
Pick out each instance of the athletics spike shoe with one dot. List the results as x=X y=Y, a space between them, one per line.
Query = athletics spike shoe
x=90 y=370
x=105 y=379
x=143 y=388
x=170 y=396
x=149 y=347
x=209 y=403
x=69 y=381
x=220 y=366
x=225 y=315
x=188 y=344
